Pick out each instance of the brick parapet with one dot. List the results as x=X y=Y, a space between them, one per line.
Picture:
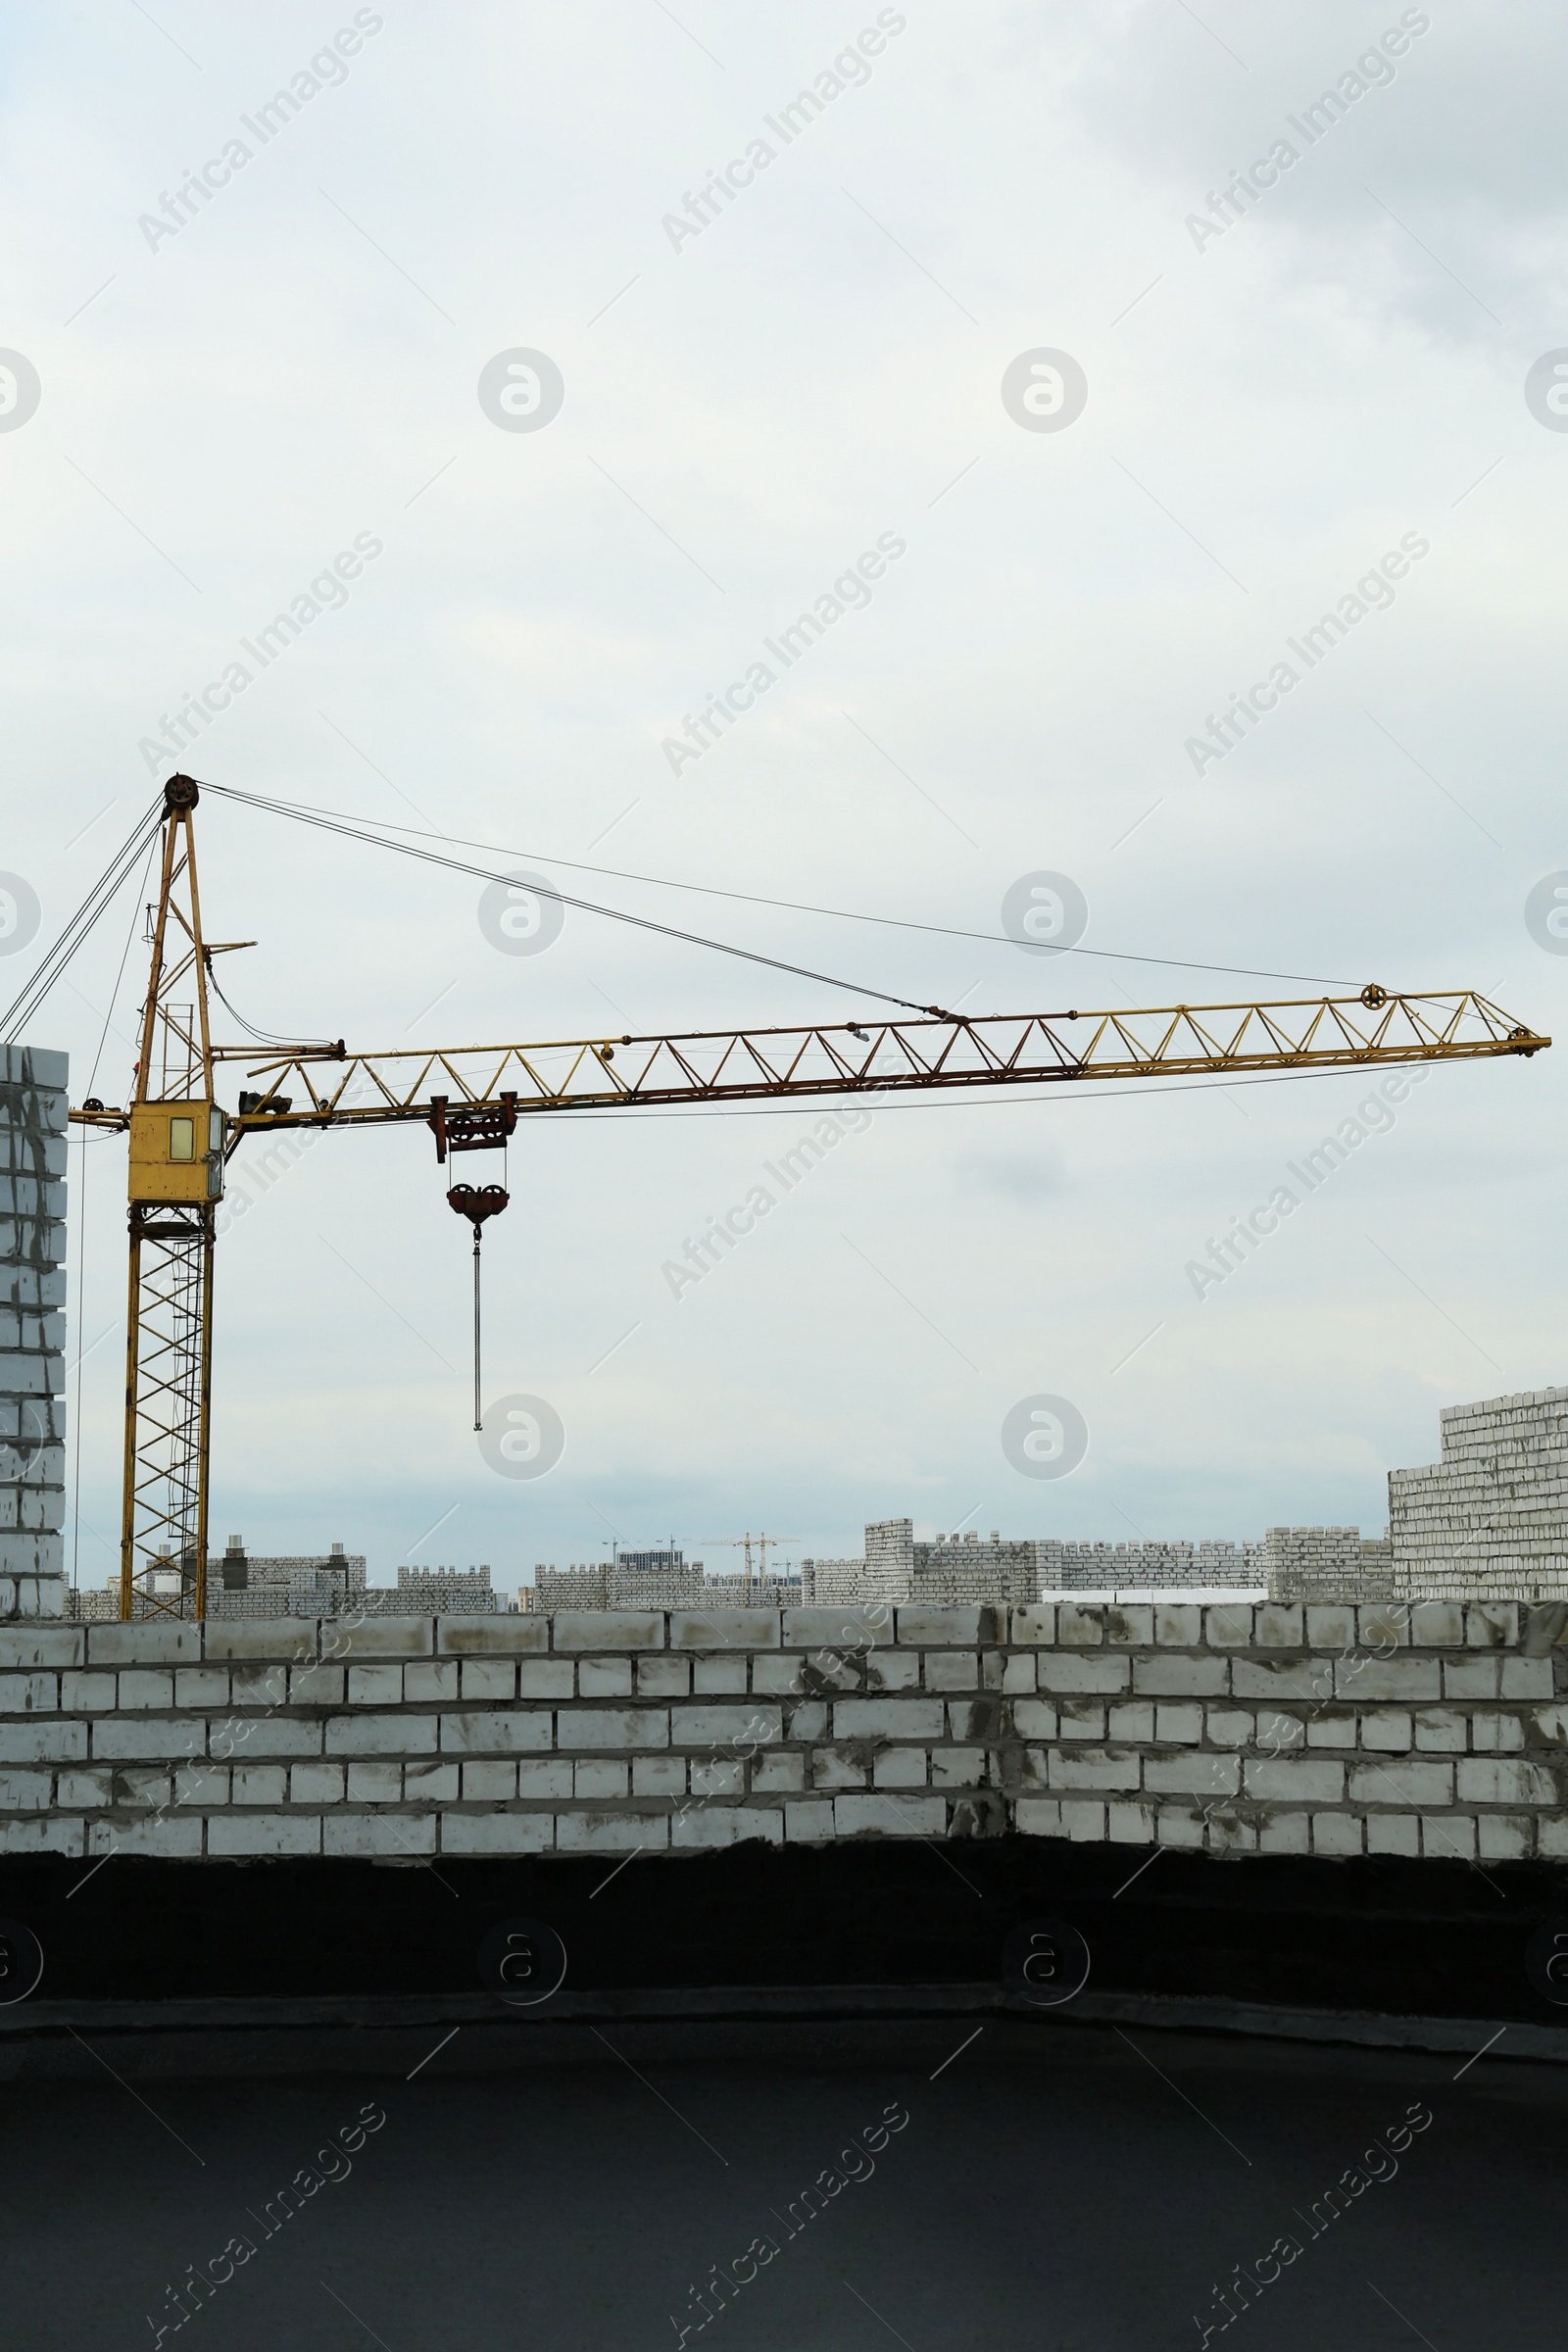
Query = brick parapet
x=1434 y=1728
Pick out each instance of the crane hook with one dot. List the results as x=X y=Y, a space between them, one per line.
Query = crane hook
x=476 y=1202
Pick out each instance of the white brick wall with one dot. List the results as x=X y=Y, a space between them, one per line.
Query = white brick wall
x=32 y=1298
x=1492 y=1516
x=1326 y=1563
x=1431 y=1729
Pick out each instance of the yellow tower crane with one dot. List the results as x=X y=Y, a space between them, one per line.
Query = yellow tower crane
x=473 y=1096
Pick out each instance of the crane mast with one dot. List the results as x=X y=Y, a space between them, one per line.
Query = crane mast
x=471 y=1098
x=176 y=1180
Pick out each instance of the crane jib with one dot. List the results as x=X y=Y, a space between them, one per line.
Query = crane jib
x=376 y=1090
x=369 y=1093
x=471 y=1096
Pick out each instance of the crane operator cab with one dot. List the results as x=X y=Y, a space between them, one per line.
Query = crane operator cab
x=176 y=1153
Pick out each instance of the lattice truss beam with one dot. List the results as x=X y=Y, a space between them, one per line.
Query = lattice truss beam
x=897 y=1055
x=170 y=1285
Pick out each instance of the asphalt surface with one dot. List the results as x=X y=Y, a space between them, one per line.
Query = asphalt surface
x=1096 y=2193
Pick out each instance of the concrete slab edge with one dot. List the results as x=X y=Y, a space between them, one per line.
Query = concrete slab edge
x=74 y=2040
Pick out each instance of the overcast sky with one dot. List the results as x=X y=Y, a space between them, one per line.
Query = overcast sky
x=239 y=385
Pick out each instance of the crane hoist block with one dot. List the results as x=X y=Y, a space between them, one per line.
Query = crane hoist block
x=176 y=1153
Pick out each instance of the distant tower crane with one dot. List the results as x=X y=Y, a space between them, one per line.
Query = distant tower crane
x=473 y=1096
x=761 y=1543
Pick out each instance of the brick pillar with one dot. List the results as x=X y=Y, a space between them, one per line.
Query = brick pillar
x=32 y=1332
x=889 y=1559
